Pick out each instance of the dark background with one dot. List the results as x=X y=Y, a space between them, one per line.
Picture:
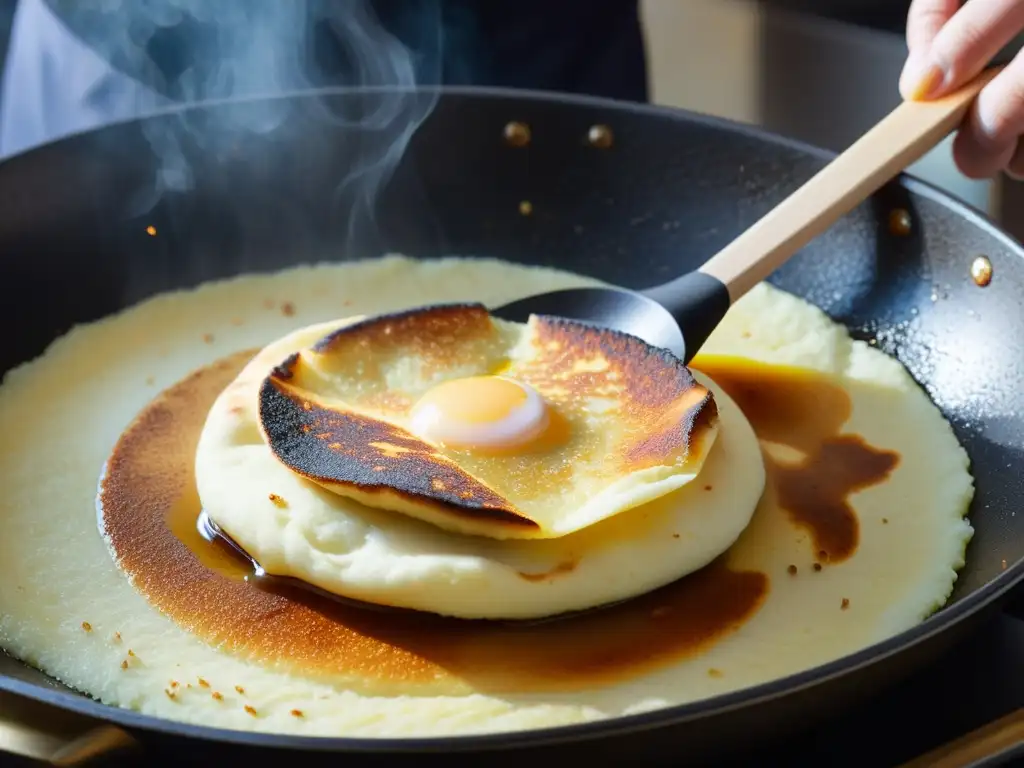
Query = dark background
x=889 y=15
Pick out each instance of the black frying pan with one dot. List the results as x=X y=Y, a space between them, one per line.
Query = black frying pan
x=665 y=192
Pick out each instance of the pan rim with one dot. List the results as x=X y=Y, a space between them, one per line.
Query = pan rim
x=971 y=604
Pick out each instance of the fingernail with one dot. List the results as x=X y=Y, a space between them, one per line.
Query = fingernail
x=921 y=78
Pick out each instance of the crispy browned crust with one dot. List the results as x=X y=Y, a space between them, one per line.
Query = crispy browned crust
x=342 y=448
x=433 y=331
x=660 y=403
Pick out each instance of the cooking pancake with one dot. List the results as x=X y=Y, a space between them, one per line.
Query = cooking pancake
x=404 y=412
x=294 y=529
x=895 y=528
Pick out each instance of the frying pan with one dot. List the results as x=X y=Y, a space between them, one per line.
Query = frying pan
x=630 y=194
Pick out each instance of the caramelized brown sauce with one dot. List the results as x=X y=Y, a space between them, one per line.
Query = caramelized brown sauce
x=805 y=411
x=151 y=509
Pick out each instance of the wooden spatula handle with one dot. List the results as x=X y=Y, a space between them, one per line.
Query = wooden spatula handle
x=901 y=138
x=996 y=738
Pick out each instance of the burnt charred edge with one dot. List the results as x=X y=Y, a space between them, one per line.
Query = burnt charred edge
x=640 y=359
x=291 y=433
x=700 y=420
x=429 y=310
x=605 y=334
x=286 y=369
x=692 y=428
x=704 y=414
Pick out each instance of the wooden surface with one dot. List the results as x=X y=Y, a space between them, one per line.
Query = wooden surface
x=979 y=745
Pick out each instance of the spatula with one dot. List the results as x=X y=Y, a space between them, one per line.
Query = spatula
x=681 y=314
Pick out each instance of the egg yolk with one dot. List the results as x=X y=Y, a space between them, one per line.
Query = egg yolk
x=481 y=412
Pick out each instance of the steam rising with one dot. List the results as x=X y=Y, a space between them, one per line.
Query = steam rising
x=212 y=50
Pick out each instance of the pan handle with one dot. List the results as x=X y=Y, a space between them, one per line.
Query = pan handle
x=996 y=739
x=53 y=736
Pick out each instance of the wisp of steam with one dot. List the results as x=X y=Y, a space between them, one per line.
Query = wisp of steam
x=254 y=49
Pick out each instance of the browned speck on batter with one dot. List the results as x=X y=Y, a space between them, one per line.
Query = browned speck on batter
x=287 y=309
x=208 y=338
x=203 y=683
x=239 y=689
x=124 y=664
x=296 y=713
x=278 y=501
x=715 y=672
x=250 y=709
x=217 y=696
x=87 y=626
x=791 y=570
x=117 y=637
x=845 y=604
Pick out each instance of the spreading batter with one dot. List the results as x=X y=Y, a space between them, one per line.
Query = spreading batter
x=857 y=536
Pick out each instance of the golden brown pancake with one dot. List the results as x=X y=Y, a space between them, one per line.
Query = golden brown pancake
x=337 y=413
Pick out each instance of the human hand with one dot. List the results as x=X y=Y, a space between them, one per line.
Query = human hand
x=949 y=45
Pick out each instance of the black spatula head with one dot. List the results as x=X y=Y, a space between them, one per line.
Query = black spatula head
x=678 y=316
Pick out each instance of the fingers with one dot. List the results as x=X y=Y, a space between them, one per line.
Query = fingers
x=947 y=49
x=925 y=19
x=988 y=140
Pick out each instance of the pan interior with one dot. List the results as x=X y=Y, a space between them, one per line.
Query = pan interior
x=668 y=192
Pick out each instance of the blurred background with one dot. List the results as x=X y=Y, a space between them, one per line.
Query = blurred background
x=821 y=71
